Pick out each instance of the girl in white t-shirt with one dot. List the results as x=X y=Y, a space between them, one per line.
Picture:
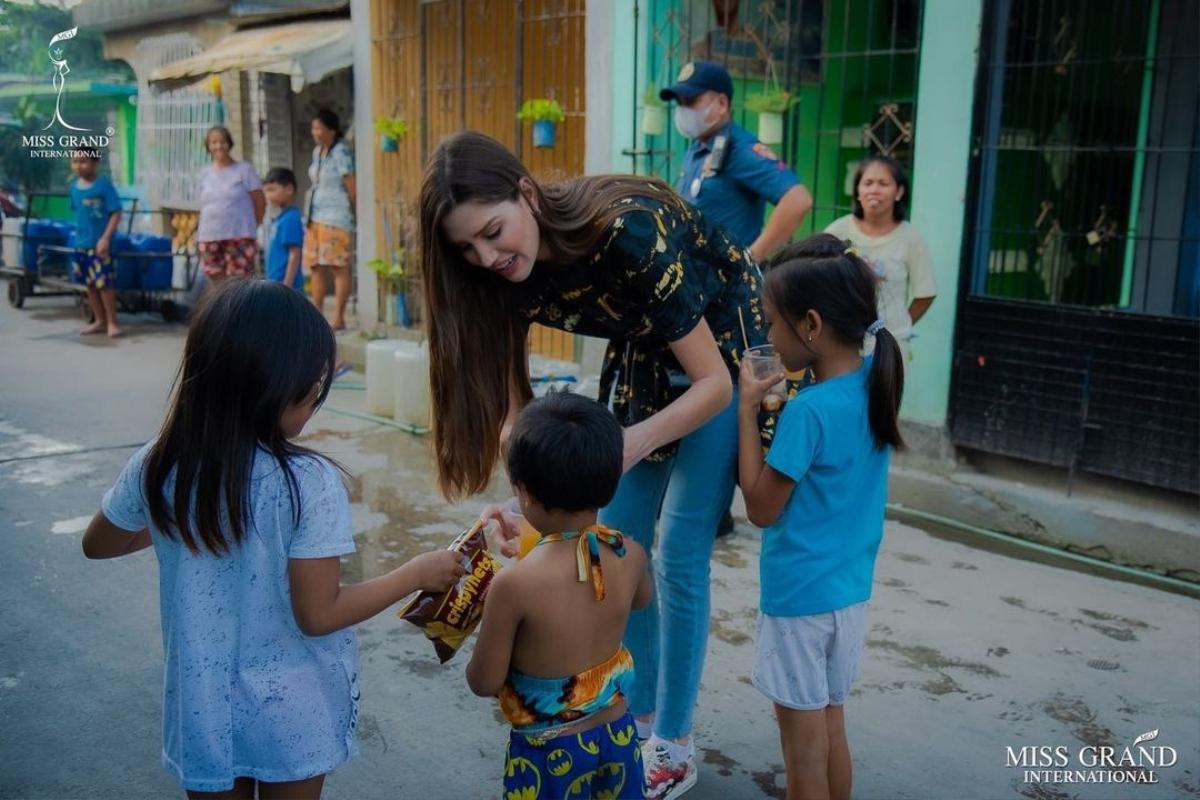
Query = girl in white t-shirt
x=892 y=248
x=261 y=675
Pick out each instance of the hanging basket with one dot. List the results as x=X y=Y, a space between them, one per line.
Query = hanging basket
x=770 y=127
x=654 y=121
x=545 y=133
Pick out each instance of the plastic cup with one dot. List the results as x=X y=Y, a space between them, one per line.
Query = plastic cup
x=764 y=362
x=529 y=535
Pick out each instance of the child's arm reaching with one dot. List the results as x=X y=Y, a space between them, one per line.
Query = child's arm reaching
x=493 y=649
x=323 y=604
x=102 y=539
x=765 y=490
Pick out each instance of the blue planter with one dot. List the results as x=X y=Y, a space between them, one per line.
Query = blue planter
x=388 y=144
x=402 y=317
x=545 y=131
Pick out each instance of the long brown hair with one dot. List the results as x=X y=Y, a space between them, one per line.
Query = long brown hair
x=477 y=334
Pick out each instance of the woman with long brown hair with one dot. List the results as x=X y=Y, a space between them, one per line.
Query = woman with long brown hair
x=619 y=257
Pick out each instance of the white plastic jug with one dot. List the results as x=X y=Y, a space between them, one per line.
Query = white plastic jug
x=411 y=393
x=380 y=380
x=179 y=271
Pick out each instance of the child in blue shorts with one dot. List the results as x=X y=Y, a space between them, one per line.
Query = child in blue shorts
x=820 y=496
x=97 y=213
x=550 y=640
x=286 y=229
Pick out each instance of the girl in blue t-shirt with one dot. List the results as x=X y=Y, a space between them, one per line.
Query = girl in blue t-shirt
x=261 y=676
x=820 y=496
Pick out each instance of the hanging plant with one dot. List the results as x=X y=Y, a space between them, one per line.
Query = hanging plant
x=545 y=114
x=391 y=130
x=770 y=106
x=654 y=112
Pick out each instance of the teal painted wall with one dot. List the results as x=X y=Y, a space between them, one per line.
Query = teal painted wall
x=949 y=54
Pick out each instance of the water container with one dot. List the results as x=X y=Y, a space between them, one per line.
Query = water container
x=155 y=273
x=412 y=398
x=45 y=231
x=128 y=270
x=179 y=271
x=10 y=242
x=380 y=369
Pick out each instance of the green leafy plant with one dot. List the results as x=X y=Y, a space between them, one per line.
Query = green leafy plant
x=390 y=273
x=650 y=96
x=539 y=109
x=771 y=101
x=394 y=127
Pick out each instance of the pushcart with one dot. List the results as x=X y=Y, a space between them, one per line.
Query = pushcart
x=36 y=259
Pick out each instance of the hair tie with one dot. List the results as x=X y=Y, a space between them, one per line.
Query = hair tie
x=850 y=250
x=875 y=327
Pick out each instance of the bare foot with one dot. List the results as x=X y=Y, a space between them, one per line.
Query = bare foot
x=338 y=326
x=114 y=331
x=95 y=327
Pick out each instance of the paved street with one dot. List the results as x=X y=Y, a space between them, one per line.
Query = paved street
x=969 y=652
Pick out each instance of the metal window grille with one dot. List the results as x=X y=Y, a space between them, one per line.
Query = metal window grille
x=851 y=66
x=171 y=125
x=1077 y=341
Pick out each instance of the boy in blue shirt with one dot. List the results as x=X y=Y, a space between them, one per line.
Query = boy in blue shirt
x=287 y=231
x=97 y=213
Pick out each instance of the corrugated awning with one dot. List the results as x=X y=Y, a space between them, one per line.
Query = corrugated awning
x=305 y=51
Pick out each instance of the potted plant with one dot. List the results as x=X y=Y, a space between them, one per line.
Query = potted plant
x=770 y=104
x=545 y=115
x=654 y=112
x=390 y=275
x=391 y=130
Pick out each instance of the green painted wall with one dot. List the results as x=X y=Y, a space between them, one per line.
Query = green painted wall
x=949 y=54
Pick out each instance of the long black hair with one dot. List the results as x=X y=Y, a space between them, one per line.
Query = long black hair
x=822 y=274
x=254 y=349
x=900 y=207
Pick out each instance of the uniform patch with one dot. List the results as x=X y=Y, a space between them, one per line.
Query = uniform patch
x=762 y=150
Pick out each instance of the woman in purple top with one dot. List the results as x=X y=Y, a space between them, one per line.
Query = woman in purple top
x=231 y=208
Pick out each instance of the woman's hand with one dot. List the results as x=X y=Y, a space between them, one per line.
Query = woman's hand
x=638 y=445
x=752 y=390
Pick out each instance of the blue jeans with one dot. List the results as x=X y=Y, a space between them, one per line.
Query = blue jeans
x=668 y=639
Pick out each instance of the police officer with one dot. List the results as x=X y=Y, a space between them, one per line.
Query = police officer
x=727 y=173
x=730 y=175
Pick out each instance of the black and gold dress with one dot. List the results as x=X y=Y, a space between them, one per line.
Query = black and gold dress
x=660 y=269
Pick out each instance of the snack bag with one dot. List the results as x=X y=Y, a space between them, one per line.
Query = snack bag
x=449 y=618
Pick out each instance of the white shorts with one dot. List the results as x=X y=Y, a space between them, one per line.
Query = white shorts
x=808 y=663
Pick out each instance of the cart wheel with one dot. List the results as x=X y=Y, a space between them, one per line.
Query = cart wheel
x=170 y=310
x=16 y=292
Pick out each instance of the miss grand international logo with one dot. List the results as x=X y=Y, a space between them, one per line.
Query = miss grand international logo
x=1139 y=762
x=64 y=145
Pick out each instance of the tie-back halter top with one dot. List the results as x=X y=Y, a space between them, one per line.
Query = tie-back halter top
x=532 y=704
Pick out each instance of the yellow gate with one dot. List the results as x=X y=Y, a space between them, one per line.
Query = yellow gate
x=452 y=64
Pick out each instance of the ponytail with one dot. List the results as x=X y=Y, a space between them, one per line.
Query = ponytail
x=886 y=390
x=824 y=274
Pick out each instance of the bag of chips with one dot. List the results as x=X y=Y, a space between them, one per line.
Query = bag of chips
x=449 y=617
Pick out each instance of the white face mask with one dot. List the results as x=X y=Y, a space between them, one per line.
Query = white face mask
x=692 y=122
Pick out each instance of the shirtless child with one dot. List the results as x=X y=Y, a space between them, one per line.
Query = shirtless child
x=550 y=641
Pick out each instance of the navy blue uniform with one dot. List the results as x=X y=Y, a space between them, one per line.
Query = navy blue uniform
x=736 y=195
